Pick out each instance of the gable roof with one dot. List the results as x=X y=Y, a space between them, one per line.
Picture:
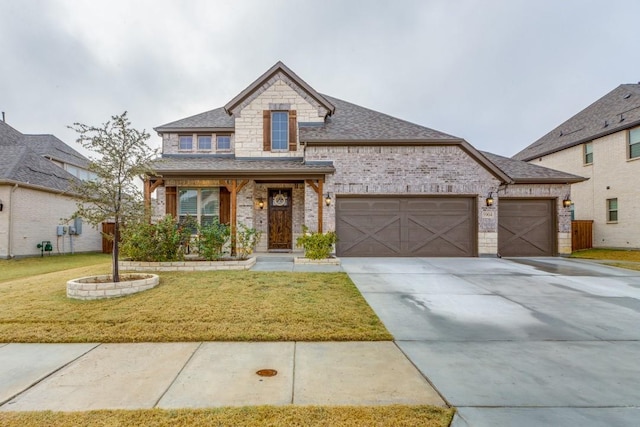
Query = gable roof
x=216 y=119
x=278 y=67
x=526 y=173
x=618 y=110
x=21 y=164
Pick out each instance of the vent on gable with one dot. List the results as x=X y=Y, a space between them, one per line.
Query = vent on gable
x=627 y=96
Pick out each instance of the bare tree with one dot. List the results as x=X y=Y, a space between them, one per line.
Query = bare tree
x=113 y=195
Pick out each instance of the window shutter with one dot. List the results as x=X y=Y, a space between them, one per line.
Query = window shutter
x=293 y=131
x=266 y=130
x=225 y=206
x=170 y=200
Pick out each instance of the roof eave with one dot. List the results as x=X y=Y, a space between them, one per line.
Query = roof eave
x=36 y=187
x=583 y=140
x=162 y=129
x=549 y=180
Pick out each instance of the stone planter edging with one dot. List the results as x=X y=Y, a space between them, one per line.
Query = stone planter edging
x=324 y=261
x=86 y=288
x=245 y=264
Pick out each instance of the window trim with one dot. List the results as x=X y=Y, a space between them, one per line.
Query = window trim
x=630 y=145
x=180 y=136
x=586 y=153
x=609 y=211
x=223 y=135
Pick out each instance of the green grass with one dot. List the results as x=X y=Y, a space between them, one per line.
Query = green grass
x=621 y=258
x=194 y=306
x=25 y=267
x=396 y=415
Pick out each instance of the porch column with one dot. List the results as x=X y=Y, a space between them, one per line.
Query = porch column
x=318 y=189
x=149 y=187
x=234 y=188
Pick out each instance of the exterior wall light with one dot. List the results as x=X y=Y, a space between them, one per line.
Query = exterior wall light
x=566 y=202
x=327 y=199
x=1 y=206
x=261 y=203
x=489 y=199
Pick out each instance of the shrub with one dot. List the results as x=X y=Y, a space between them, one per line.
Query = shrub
x=316 y=245
x=164 y=241
x=211 y=240
x=246 y=239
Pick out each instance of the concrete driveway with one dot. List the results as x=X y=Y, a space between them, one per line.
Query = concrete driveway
x=522 y=342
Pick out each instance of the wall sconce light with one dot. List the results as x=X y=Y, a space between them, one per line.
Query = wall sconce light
x=1 y=206
x=489 y=199
x=261 y=203
x=327 y=199
x=566 y=202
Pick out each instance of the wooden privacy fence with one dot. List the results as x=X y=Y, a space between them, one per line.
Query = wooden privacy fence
x=581 y=234
x=107 y=244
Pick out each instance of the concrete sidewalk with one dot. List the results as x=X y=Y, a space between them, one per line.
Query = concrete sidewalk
x=79 y=377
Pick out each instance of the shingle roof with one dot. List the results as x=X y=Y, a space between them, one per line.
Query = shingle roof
x=351 y=122
x=523 y=172
x=213 y=119
x=616 y=111
x=20 y=163
x=52 y=147
x=212 y=165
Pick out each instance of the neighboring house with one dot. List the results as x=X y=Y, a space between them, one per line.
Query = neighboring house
x=36 y=172
x=602 y=143
x=280 y=155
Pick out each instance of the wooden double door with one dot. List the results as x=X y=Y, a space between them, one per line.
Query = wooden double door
x=280 y=219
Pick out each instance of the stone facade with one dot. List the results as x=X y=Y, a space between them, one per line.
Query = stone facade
x=35 y=214
x=611 y=175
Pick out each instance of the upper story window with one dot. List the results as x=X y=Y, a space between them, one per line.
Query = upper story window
x=223 y=142
x=612 y=210
x=588 y=153
x=634 y=143
x=186 y=142
x=204 y=142
x=279 y=130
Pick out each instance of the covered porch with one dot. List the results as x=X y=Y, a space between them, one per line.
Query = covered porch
x=276 y=197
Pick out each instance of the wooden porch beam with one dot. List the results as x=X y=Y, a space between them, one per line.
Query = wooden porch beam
x=320 y=205
x=234 y=199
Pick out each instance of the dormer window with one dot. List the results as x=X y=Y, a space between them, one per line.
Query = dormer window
x=186 y=142
x=204 y=142
x=223 y=142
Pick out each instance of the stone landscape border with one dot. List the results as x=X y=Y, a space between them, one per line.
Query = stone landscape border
x=99 y=287
x=323 y=261
x=244 y=264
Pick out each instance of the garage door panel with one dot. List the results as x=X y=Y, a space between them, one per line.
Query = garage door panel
x=526 y=227
x=390 y=226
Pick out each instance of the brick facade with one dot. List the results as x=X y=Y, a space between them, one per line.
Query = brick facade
x=35 y=215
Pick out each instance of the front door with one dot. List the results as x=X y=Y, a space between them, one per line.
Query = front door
x=280 y=219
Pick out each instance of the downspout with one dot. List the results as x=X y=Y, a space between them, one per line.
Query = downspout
x=10 y=251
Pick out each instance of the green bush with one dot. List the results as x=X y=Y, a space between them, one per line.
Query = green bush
x=316 y=245
x=211 y=240
x=164 y=241
x=246 y=238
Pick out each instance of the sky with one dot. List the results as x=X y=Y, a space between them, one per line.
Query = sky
x=498 y=73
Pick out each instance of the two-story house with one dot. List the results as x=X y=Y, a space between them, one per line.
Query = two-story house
x=36 y=172
x=281 y=155
x=602 y=143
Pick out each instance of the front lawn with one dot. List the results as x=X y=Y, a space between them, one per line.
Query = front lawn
x=396 y=415
x=27 y=267
x=622 y=258
x=194 y=306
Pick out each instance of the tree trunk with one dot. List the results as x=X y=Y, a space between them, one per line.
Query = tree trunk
x=116 y=244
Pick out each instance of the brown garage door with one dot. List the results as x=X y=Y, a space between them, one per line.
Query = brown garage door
x=406 y=226
x=526 y=227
